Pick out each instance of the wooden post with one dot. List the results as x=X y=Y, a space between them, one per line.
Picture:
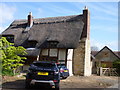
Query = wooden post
x=101 y=71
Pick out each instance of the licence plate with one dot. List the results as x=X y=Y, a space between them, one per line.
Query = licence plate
x=42 y=73
x=65 y=70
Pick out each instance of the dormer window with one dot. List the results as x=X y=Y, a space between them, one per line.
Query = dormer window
x=10 y=38
x=53 y=44
x=31 y=44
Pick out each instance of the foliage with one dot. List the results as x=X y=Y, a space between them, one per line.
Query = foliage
x=10 y=55
x=103 y=65
x=116 y=64
x=7 y=72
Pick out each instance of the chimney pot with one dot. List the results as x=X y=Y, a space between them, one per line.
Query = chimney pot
x=30 y=19
x=85 y=8
x=30 y=13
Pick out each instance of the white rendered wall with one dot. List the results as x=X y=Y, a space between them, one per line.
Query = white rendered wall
x=69 y=61
x=87 y=62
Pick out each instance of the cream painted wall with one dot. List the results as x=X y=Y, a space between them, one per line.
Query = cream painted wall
x=87 y=62
x=69 y=61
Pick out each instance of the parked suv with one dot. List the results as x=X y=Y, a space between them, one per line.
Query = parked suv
x=43 y=74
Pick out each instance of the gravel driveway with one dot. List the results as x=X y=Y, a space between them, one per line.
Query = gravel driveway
x=71 y=82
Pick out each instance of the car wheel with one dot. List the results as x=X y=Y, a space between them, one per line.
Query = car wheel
x=64 y=77
x=27 y=85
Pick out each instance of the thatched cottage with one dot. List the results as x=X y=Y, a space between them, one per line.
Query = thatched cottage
x=62 y=39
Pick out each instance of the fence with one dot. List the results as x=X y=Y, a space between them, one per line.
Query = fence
x=107 y=71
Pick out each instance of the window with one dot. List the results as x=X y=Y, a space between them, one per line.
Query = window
x=53 y=44
x=49 y=55
x=10 y=38
x=62 y=54
x=53 y=52
x=45 y=52
x=30 y=44
x=33 y=44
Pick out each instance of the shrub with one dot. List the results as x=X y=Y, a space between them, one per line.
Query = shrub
x=103 y=65
x=116 y=64
x=10 y=56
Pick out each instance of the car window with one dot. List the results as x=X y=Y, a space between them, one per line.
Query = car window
x=61 y=66
x=44 y=65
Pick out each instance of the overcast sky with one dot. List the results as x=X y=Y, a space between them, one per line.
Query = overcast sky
x=103 y=17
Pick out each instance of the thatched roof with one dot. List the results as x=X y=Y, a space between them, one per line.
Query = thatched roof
x=66 y=30
x=33 y=52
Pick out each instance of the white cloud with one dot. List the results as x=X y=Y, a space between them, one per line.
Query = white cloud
x=105 y=28
x=60 y=0
x=111 y=44
x=60 y=10
x=104 y=9
x=40 y=13
x=105 y=18
x=6 y=13
x=2 y=29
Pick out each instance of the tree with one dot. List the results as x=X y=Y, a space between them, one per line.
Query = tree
x=94 y=48
x=10 y=55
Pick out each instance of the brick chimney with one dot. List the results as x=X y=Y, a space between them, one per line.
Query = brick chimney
x=86 y=20
x=30 y=19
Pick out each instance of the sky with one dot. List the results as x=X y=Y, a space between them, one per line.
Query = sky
x=103 y=17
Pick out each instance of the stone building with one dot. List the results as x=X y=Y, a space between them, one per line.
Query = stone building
x=104 y=58
x=63 y=39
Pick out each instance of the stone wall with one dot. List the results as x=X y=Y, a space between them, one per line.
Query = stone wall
x=81 y=59
x=78 y=58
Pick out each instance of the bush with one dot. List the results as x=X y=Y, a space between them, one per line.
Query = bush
x=7 y=73
x=103 y=65
x=10 y=57
x=116 y=64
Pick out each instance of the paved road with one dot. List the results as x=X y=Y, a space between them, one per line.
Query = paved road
x=72 y=82
x=117 y=85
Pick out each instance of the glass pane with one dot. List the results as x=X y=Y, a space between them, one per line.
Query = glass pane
x=62 y=54
x=45 y=52
x=53 y=52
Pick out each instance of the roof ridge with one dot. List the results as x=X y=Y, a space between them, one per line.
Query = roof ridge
x=48 y=19
x=56 y=17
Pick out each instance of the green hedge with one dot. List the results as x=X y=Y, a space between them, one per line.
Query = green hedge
x=116 y=64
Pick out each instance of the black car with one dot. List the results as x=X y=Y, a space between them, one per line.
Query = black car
x=64 y=72
x=43 y=73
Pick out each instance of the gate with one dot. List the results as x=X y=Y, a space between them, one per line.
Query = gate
x=107 y=71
